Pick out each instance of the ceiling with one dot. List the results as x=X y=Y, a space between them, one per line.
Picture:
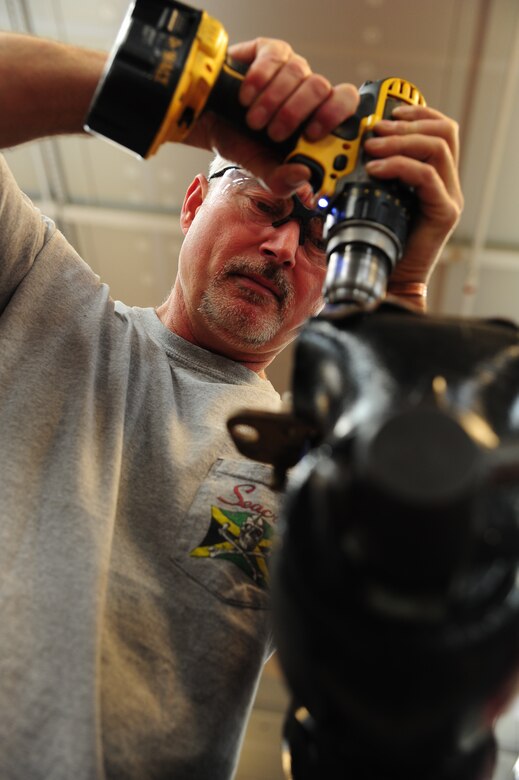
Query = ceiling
x=122 y=213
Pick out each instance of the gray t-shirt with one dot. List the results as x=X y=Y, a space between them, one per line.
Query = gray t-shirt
x=133 y=536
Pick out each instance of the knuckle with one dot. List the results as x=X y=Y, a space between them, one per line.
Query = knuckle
x=447 y=131
x=349 y=94
x=455 y=214
x=288 y=116
x=275 y=48
x=441 y=147
x=298 y=67
x=455 y=127
x=431 y=175
x=267 y=101
x=320 y=86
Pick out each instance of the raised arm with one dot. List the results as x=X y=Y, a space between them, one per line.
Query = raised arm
x=45 y=87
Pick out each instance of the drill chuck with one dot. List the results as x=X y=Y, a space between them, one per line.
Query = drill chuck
x=357 y=269
x=365 y=231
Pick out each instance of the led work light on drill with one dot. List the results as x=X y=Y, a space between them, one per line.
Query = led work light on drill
x=169 y=64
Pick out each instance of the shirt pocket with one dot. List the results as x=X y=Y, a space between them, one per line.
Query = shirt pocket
x=227 y=539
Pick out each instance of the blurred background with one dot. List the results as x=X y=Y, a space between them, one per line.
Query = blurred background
x=122 y=213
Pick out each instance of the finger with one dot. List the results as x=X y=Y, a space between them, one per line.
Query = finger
x=288 y=82
x=265 y=57
x=280 y=89
x=408 y=111
x=291 y=109
x=340 y=104
x=423 y=121
x=436 y=201
x=285 y=180
x=219 y=136
x=427 y=149
x=313 y=98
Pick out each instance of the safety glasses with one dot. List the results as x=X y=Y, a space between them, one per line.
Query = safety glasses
x=258 y=205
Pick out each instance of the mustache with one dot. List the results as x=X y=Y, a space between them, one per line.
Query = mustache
x=270 y=271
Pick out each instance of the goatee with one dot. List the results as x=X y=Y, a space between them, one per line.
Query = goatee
x=256 y=326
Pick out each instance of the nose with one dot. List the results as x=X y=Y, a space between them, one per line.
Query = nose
x=281 y=243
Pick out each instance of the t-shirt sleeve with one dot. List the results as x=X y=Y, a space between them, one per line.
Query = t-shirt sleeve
x=23 y=233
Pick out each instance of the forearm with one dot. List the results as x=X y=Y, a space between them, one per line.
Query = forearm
x=45 y=87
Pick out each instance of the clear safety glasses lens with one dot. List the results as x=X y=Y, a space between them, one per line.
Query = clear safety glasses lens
x=259 y=205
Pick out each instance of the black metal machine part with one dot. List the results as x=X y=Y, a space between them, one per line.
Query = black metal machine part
x=394 y=588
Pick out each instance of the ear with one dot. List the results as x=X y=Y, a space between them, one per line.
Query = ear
x=193 y=199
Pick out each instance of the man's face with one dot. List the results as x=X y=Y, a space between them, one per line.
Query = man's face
x=248 y=286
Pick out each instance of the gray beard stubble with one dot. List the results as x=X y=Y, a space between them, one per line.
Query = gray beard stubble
x=218 y=309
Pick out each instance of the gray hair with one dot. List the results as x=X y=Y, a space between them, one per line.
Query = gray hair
x=218 y=163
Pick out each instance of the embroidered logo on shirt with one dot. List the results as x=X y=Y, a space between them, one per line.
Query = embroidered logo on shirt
x=242 y=536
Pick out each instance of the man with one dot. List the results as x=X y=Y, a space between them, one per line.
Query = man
x=134 y=538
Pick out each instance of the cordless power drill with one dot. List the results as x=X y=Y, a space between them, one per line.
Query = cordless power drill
x=169 y=64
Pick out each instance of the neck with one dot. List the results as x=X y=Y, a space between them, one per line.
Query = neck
x=174 y=317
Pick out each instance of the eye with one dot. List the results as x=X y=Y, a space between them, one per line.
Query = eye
x=266 y=208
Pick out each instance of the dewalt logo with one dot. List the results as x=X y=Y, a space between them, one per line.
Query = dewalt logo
x=168 y=60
